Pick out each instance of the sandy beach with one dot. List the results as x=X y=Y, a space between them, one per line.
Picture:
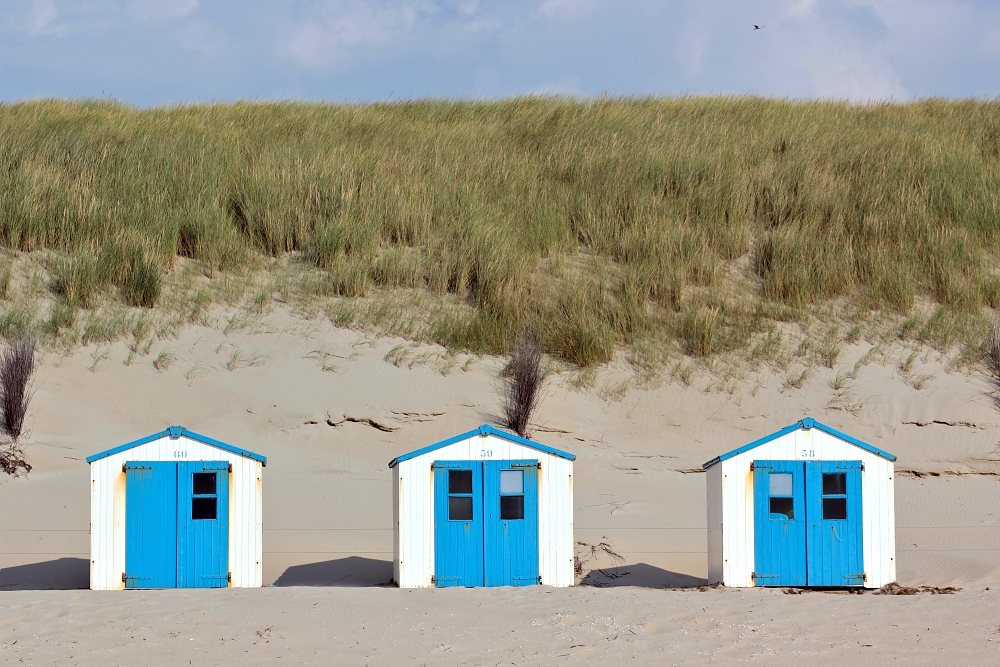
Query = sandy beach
x=329 y=410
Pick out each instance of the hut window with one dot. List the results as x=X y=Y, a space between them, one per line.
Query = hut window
x=835 y=484
x=460 y=481
x=835 y=508
x=511 y=508
x=460 y=495
x=511 y=495
x=781 y=484
x=203 y=508
x=511 y=482
x=204 y=503
x=204 y=483
x=460 y=508
x=781 y=501
x=784 y=506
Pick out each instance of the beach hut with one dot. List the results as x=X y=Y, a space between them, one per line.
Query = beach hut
x=484 y=508
x=175 y=510
x=805 y=506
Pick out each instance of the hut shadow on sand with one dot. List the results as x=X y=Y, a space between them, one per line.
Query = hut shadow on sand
x=62 y=574
x=641 y=575
x=353 y=571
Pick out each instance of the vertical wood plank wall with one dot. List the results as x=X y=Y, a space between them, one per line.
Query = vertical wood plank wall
x=735 y=561
x=107 y=510
x=413 y=509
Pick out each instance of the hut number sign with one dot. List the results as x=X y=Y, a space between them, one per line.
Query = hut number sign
x=180 y=454
x=808 y=454
x=485 y=453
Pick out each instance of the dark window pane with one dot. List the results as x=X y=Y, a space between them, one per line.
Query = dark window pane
x=459 y=481
x=511 y=507
x=834 y=484
x=203 y=508
x=460 y=508
x=835 y=508
x=784 y=506
x=204 y=483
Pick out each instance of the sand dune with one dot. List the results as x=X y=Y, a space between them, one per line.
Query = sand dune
x=329 y=434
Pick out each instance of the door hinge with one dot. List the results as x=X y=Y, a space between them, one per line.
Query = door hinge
x=229 y=577
x=864 y=576
x=433 y=579
x=753 y=575
x=751 y=465
x=123 y=577
x=230 y=467
x=862 y=467
x=539 y=579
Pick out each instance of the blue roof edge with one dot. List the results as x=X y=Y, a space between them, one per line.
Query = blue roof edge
x=176 y=432
x=805 y=423
x=485 y=429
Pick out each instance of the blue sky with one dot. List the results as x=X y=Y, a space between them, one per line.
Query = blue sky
x=149 y=52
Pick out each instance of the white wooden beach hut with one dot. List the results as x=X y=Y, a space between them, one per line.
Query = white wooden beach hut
x=805 y=506
x=484 y=508
x=175 y=510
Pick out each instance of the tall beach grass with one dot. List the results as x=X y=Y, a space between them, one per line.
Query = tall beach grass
x=695 y=222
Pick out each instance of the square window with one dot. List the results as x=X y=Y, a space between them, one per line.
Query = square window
x=835 y=508
x=204 y=484
x=835 y=484
x=781 y=484
x=785 y=506
x=203 y=508
x=511 y=508
x=460 y=481
x=511 y=482
x=459 y=508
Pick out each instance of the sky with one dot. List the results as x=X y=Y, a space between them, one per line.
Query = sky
x=154 y=52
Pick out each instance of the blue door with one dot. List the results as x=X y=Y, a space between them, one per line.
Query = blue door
x=808 y=526
x=836 y=555
x=150 y=524
x=485 y=523
x=203 y=524
x=510 y=499
x=458 y=523
x=176 y=524
x=779 y=523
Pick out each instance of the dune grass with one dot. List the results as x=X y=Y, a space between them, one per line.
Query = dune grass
x=694 y=223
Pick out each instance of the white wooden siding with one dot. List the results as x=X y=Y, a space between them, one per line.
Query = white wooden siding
x=107 y=509
x=413 y=509
x=713 y=483
x=735 y=560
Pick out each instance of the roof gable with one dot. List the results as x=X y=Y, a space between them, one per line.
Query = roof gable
x=175 y=432
x=485 y=429
x=807 y=423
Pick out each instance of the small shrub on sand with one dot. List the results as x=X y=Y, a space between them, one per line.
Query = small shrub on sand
x=521 y=387
x=17 y=366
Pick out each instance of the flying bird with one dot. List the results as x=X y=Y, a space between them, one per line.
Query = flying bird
x=758 y=27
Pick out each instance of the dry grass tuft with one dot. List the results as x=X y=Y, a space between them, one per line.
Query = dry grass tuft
x=521 y=385
x=17 y=366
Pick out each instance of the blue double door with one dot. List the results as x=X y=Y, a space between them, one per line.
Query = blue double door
x=808 y=523
x=176 y=524
x=486 y=523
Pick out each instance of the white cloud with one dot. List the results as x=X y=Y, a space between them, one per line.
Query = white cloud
x=336 y=33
